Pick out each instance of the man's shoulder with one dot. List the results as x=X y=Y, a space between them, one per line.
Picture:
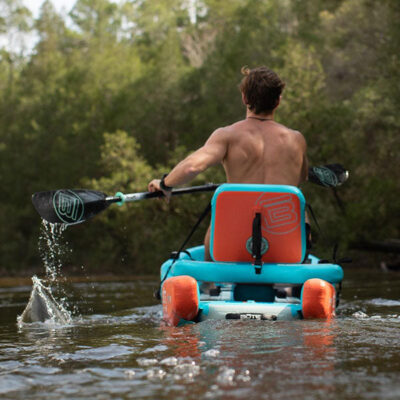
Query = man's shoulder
x=285 y=128
x=292 y=132
x=235 y=126
x=229 y=129
x=297 y=138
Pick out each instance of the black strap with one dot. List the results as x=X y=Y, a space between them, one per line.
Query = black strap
x=335 y=246
x=308 y=243
x=308 y=237
x=201 y=217
x=163 y=186
x=175 y=254
x=315 y=219
x=256 y=242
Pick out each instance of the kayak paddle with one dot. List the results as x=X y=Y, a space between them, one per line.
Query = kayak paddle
x=71 y=207
x=66 y=206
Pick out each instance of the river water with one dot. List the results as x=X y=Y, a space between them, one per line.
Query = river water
x=116 y=348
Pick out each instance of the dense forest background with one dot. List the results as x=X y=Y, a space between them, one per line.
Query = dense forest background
x=116 y=94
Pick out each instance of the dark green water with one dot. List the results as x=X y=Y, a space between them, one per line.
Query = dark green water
x=116 y=348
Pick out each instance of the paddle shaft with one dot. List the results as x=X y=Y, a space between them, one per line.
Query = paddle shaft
x=211 y=187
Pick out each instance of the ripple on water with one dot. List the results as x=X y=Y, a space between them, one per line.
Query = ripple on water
x=126 y=354
x=360 y=315
x=13 y=383
x=6 y=366
x=170 y=361
x=155 y=349
x=39 y=370
x=146 y=362
x=384 y=302
x=115 y=373
x=98 y=354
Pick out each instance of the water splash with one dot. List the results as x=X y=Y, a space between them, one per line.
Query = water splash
x=52 y=249
x=48 y=299
x=42 y=306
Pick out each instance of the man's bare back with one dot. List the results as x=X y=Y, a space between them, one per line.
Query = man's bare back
x=251 y=151
x=263 y=151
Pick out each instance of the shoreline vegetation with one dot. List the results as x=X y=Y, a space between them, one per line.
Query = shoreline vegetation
x=113 y=95
x=13 y=281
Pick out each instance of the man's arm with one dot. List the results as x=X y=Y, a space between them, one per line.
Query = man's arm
x=304 y=167
x=304 y=174
x=212 y=153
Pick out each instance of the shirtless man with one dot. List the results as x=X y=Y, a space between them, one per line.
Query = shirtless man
x=254 y=150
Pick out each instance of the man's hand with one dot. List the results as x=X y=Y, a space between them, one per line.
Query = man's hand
x=154 y=186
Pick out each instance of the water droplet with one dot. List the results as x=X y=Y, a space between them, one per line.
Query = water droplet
x=211 y=353
x=226 y=376
x=130 y=374
x=145 y=362
x=156 y=374
x=359 y=315
x=170 y=361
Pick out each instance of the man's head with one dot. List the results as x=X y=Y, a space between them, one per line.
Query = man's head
x=261 y=89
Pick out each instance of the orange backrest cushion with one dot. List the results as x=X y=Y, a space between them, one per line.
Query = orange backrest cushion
x=282 y=223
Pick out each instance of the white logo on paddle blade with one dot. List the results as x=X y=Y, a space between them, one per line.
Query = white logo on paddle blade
x=68 y=206
x=326 y=176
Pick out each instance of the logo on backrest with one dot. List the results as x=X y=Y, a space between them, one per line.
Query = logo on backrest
x=68 y=206
x=279 y=214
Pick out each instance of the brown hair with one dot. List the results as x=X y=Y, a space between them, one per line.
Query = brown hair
x=261 y=88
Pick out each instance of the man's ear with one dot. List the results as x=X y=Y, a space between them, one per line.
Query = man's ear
x=244 y=100
x=279 y=101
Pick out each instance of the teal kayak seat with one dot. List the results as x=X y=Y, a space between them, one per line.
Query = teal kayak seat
x=209 y=271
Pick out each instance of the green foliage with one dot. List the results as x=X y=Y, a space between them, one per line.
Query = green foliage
x=137 y=233
x=14 y=17
x=160 y=77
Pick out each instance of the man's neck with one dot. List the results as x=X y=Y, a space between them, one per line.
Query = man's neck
x=261 y=116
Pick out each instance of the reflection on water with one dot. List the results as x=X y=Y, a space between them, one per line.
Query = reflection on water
x=117 y=348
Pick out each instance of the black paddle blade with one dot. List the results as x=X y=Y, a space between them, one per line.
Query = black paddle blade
x=330 y=175
x=69 y=206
